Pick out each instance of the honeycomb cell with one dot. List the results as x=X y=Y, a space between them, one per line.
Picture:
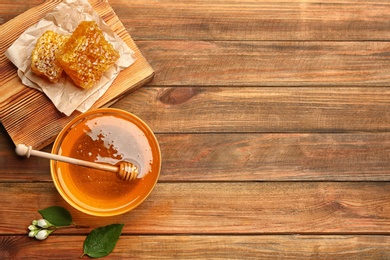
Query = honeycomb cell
x=87 y=55
x=43 y=61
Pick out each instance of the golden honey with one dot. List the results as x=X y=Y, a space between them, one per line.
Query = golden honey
x=108 y=137
x=43 y=58
x=87 y=55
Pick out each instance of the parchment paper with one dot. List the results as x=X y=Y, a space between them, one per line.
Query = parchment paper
x=64 y=94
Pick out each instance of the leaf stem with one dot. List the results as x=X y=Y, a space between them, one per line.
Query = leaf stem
x=73 y=226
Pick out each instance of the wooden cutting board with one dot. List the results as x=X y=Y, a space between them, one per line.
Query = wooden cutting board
x=28 y=116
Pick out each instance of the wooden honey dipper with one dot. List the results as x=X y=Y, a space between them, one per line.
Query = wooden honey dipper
x=125 y=171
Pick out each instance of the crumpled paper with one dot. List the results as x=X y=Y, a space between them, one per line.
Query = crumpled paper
x=64 y=94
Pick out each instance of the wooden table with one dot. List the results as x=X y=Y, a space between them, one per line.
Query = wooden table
x=274 y=123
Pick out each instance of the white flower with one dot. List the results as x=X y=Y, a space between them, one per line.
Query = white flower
x=43 y=223
x=32 y=227
x=42 y=234
x=32 y=233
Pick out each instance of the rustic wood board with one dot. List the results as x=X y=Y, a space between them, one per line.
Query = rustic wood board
x=28 y=115
x=254 y=20
x=269 y=63
x=210 y=247
x=222 y=208
x=260 y=109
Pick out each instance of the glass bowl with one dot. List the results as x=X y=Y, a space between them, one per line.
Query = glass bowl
x=105 y=135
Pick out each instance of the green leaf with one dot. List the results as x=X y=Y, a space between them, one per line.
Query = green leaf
x=102 y=241
x=57 y=216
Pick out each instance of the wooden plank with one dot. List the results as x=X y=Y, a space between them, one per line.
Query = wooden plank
x=249 y=20
x=268 y=63
x=223 y=208
x=268 y=157
x=256 y=20
x=207 y=247
x=9 y=9
x=28 y=115
x=261 y=110
x=245 y=157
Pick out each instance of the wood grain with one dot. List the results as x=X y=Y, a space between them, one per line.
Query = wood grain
x=11 y=8
x=268 y=157
x=260 y=109
x=256 y=20
x=223 y=208
x=28 y=115
x=268 y=63
x=207 y=247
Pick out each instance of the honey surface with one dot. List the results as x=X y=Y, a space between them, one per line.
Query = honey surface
x=106 y=139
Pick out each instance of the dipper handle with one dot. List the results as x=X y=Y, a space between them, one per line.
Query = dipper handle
x=124 y=170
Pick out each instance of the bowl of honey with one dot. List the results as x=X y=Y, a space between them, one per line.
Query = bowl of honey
x=106 y=136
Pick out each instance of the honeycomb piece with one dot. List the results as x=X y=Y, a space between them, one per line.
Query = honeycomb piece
x=87 y=55
x=43 y=61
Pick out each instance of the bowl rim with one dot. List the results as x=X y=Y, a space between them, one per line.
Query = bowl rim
x=63 y=133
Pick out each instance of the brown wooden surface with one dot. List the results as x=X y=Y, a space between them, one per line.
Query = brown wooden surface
x=274 y=126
